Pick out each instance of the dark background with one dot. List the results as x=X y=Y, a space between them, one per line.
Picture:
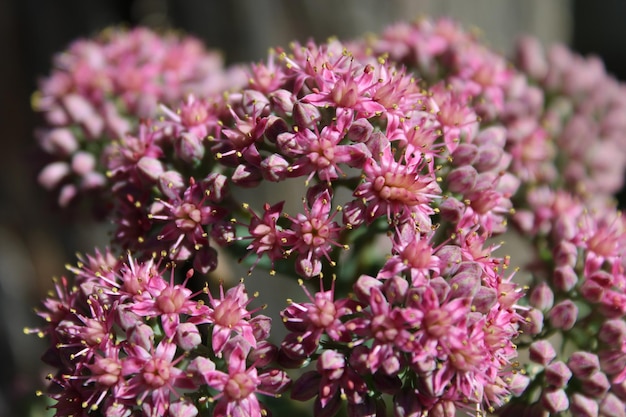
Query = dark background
x=35 y=239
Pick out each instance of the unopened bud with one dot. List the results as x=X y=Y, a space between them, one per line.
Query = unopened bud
x=542 y=297
x=583 y=364
x=542 y=352
x=555 y=400
x=583 y=406
x=557 y=374
x=563 y=315
x=564 y=278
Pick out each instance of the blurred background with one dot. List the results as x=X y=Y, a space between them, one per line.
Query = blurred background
x=37 y=240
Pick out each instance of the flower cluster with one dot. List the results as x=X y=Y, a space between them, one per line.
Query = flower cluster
x=99 y=90
x=125 y=338
x=414 y=150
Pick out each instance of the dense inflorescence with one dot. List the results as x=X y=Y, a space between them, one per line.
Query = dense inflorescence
x=413 y=150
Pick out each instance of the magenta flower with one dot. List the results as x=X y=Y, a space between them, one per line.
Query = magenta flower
x=309 y=322
x=153 y=376
x=399 y=190
x=227 y=315
x=238 y=387
x=314 y=233
x=168 y=302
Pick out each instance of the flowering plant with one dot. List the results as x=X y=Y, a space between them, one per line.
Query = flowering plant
x=413 y=151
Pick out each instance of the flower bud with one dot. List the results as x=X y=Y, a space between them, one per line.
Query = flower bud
x=583 y=364
x=307 y=386
x=542 y=352
x=152 y=168
x=182 y=409
x=494 y=135
x=557 y=374
x=188 y=336
x=274 y=168
x=198 y=368
x=518 y=383
x=612 y=406
x=407 y=403
x=261 y=326
x=488 y=158
x=83 y=162
x=533 y=322
x=60 y=141
x=583 y=406
x=465 y=284
x=563 y=315
x=613 y=331
x=564 y=278
x=464 y=154
x=555 y=400
x=126 y=318
x=263 y=354
x=530 y=57
x=305 y=115
x=451 y=209
x=92 y=180
x=596 y=386
x=565 y=253
x=141 y=335
x=189 y=147
x=274 y=127
x=282 y=101
x=275 y=381
x=254 y=102
x=360 y=131
x=363 y=287
x=353 y=213
x=395 y=289
x=591 y=290
x=246 y=176
x=612 y=361
x=542 y=297
x=216 y=186
x=171 y=184
x=449 y=259
x=462 y=179
x=67 y=194
x=484 y=299
x=440 y=288
x=52 y=175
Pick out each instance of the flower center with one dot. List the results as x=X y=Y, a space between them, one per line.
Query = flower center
x=399 y=187
x=417 y=254
x=315 y=232
x=239 y=386
x=227 y=313
x=156 y=372
x=189 y=216
x=345 y=93
x=324 y=315
x=437 y=322
x=193 y=115
x=170 y=300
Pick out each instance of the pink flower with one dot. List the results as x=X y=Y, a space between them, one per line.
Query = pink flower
x=399 y=190
x=153 y=376
x=168 y=302
x=228 y=315
x=314 y=233
x=309 y=322
x=237 y=389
